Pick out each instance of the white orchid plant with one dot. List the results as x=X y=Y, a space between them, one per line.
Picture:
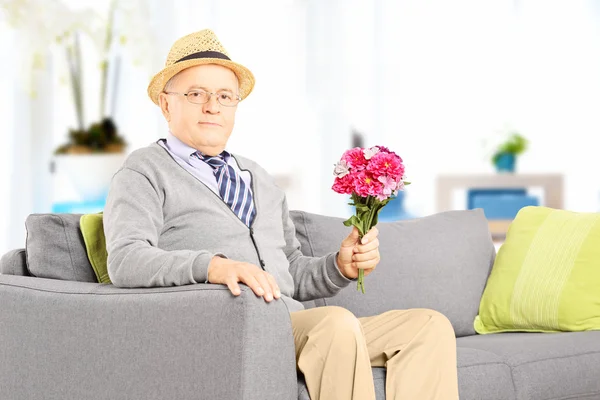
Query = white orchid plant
x=52 y=26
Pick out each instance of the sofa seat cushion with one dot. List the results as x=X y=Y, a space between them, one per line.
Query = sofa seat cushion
x=481 y=375
x=546 y=365
x=440 y=262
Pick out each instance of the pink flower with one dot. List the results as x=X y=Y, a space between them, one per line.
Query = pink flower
x=366 y=185
x=370 y=152
x=355 y=158
x=384 y=149
x=389 y=185
x=386 y=164
x=344 y=185
x=341 y=169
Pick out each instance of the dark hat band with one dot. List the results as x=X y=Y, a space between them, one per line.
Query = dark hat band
x=204 y=54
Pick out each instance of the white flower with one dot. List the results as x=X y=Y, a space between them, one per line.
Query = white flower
x=371 y=152
x=341 y=169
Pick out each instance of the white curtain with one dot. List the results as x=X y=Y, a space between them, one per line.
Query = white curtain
x=27 y=109
x=430 y=79
x=435 y=80
x=8 y=122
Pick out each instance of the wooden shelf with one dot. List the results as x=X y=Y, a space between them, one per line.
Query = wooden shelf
x=552 y=184
x=499 y=227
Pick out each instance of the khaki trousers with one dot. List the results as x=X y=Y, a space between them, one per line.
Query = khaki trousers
x=335 y=351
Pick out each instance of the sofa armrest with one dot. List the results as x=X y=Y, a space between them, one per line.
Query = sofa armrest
x=79 y=340
x=14 y=263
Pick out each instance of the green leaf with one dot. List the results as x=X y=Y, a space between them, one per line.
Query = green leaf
x=355 y=221
x=362 y=207
x=374 y=222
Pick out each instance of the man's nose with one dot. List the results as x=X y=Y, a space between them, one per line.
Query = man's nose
x=212 y=106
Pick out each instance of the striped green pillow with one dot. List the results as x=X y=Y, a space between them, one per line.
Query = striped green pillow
x=92 y=230
x=546 y=277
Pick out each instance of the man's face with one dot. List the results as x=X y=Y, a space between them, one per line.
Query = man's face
x=205 y=127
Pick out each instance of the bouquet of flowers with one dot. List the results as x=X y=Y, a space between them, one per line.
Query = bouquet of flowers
x=372 y=176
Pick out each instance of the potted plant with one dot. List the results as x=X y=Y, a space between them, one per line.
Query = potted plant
x=505 y=155
x=93 y=152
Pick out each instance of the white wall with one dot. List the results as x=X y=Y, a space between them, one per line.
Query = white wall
x=432 y=80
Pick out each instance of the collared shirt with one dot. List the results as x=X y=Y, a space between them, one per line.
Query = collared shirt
x=182 y=153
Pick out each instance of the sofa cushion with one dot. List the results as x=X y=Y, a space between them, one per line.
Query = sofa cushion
x=546 y=365
x=481 y=375
x=92 y=230
x=55 y=248
x=546 y=276
x=439 y=262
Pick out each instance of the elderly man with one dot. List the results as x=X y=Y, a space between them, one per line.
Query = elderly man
x=183 y=210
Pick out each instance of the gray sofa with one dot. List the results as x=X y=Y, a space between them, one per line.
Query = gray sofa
x=64 y=336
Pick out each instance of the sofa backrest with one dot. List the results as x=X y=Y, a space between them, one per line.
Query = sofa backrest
x=440 y=262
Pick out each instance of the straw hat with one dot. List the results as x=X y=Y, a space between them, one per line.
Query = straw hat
x=198 y=48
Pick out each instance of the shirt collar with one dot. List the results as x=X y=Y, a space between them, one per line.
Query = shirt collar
x=184 y=151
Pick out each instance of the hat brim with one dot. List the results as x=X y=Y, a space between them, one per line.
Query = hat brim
x=243 y=74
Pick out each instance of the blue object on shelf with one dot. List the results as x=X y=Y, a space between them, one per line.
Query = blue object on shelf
x=73 y=207
x=500 y=203
x=505 y=162
x=473 y=193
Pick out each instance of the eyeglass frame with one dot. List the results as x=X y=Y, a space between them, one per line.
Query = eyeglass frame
x=210 y=95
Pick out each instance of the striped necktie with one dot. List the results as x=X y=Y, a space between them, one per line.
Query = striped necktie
x=232 y=187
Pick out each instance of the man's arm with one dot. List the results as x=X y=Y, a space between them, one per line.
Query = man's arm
x=133 y=219
x=314 y=277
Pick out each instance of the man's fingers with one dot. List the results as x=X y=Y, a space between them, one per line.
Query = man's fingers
x=369 y=255
x=366 y=265
x=274 y=286
x=234 y=287
x=252 y=283
x=261 y=277
x=365 y=248
x=261 y=282
x=370 y=236
x=366 y=260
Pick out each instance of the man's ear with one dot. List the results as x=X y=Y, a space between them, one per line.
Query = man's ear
x=163 y=103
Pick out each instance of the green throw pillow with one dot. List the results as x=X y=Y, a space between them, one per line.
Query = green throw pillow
x=546 y=277
x=95 y=243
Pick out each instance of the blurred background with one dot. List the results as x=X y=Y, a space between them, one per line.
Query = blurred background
x=491 y=104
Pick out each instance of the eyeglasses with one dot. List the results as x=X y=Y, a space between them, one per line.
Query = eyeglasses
x=197 y=96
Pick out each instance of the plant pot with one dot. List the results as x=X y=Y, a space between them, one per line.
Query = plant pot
x=505 y=162
x=90 y=174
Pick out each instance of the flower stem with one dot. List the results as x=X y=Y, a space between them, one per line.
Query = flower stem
x=366 y=225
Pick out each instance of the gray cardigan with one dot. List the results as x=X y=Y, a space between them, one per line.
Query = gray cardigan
x=163 y=226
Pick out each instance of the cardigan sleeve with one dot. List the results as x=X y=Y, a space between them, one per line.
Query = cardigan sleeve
x=133 y=219
x=314 y=277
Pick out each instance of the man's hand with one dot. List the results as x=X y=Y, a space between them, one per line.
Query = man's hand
x=229 y=272
x=354 y=255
